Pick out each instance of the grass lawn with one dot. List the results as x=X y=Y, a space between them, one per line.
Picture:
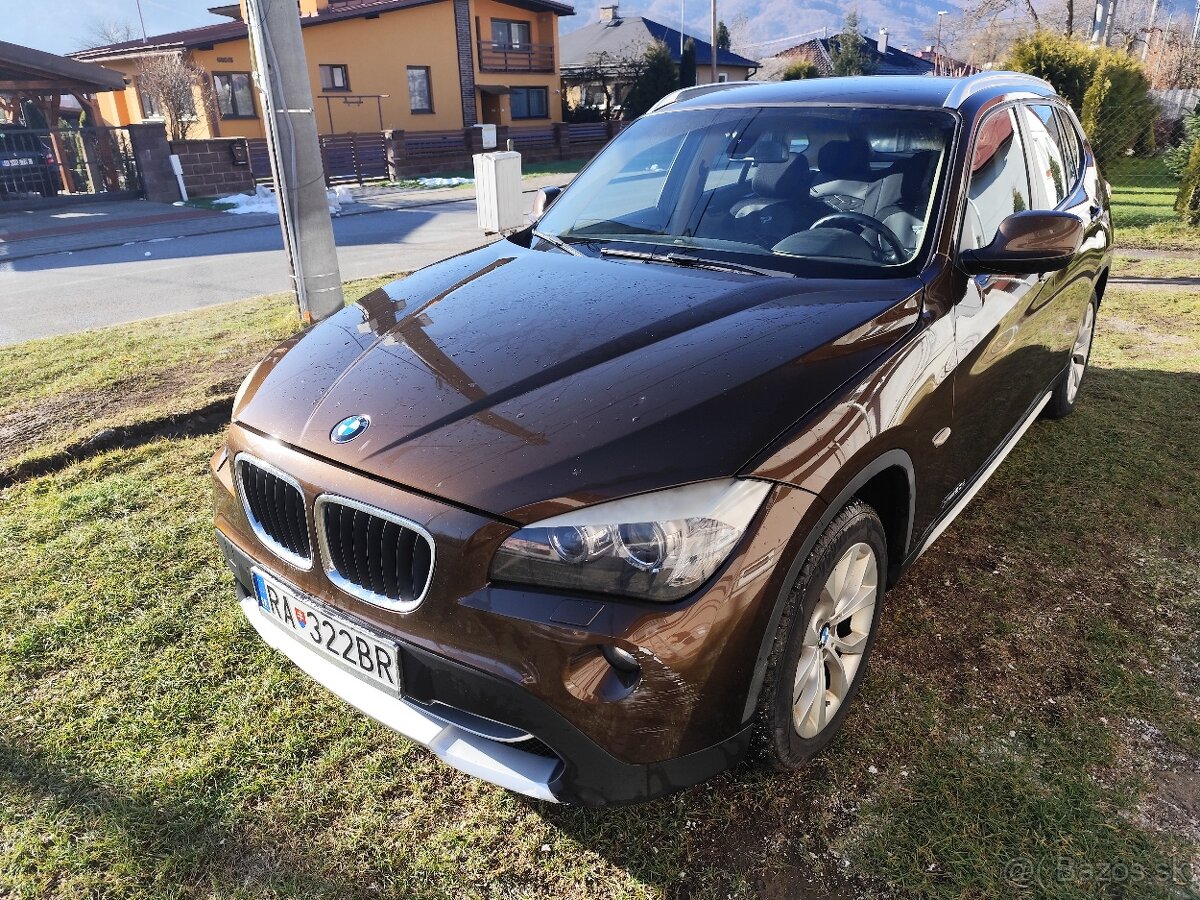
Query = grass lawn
x=70 y=387
x=1029 y=727
x=1143 y=205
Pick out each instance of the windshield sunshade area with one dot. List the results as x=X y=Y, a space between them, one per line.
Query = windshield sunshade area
x=813 y=191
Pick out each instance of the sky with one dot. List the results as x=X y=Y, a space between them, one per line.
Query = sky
x=61 y=26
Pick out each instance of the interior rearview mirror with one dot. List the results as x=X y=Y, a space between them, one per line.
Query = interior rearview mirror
x=542 y=200
x=1027 y=243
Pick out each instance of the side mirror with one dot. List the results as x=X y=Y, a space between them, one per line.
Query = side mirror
x=542 y=200
x=1027 y=243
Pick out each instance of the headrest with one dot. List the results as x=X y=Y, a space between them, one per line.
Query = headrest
x=790 y=179
x=845 y=159
x=916 y=176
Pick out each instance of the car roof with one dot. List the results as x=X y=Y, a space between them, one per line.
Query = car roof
x=872 y=90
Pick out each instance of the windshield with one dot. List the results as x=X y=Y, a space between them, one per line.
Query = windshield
x=839 y=191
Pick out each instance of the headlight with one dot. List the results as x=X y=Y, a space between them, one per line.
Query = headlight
x=658 y=546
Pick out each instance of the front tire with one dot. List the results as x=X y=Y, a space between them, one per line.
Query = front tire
x=823 y=640
x=1066 y=391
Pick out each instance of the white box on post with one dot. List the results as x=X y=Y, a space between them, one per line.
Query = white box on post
x=498 y=191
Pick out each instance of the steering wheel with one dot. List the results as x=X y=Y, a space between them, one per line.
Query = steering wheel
x=864 y=221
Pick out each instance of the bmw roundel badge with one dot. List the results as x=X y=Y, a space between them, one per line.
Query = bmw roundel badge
x=348 y=429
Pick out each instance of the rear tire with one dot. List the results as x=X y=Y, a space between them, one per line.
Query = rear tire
x=1066 y=391
x=823 y=640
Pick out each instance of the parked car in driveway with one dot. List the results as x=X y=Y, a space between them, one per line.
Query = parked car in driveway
x=27 y=163
x=595 y=510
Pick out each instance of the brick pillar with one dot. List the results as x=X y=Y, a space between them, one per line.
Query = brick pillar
x=466 y=60
x=152 y=154
x=562 y=139
x=501 y=137
x=393 y=139
x=473 y=141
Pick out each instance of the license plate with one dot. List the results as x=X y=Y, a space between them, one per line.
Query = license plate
x=23 y=161
x=371 y=658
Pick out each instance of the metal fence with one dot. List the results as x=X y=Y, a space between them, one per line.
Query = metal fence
x=73 y=161
x=1143 y=156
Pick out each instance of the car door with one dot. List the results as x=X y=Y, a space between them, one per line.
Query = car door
x=1002 y=323
x=1056 y=173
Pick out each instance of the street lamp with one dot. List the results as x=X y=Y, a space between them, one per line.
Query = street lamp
x=937 y=50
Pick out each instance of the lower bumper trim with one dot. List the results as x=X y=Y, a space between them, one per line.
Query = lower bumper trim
x=498 y=763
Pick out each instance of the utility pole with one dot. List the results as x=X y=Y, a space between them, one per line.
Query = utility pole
x=281 y=72
x=1100 y=23
x=937 y=51
x=1150 y=30
x=713 y=45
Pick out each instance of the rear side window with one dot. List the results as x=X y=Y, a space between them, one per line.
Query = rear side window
x=1051 y=171
x=999 y=184
x=1071 y=145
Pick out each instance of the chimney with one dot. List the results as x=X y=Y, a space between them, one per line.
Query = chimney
x=313 y=7
x=882 y=41
x=609 y=13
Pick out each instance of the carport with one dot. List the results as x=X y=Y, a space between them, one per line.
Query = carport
x=89 y=159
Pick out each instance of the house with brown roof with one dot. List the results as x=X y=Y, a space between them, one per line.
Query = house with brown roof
x=419 y=65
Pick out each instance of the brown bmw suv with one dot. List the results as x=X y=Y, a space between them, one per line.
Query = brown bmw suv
x=594 y=510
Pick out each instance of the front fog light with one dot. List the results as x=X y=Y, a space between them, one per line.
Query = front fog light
x=658 y=546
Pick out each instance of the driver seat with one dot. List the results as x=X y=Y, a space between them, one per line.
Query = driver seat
x=906 y=215
x=781 y=203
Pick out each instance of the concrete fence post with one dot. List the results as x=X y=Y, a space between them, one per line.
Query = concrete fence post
x=394 y=142
x=152 y=155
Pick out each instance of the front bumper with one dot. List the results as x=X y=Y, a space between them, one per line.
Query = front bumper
x=443 y=710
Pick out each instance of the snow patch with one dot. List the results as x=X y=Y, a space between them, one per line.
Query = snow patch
x=444 y=182
x=264 y=201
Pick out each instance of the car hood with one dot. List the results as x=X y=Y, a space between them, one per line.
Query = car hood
x=523 y=383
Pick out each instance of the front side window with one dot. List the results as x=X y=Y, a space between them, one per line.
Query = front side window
x=530 y=103
x=335 y=78
x=735 y=185
x=1049 y=165
x=999 y=183
x=420 y=97
x=235 y=95
x=508 y=35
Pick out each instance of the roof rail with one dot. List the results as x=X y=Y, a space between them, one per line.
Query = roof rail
x=698 y=90
x=973 y=84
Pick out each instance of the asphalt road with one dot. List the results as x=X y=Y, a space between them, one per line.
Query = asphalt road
x=67 y=292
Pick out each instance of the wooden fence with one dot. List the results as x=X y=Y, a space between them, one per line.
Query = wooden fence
x=397 y=155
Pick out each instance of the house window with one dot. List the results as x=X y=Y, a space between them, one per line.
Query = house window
x=509 y=35
x=420 y=97
x=530 y=103
x=722 y=77
x=150 y=107
x=235 y=96
x=335 y=78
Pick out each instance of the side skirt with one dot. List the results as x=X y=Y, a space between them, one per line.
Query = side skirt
x=997 y=459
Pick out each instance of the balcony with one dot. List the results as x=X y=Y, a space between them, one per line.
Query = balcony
x=494 y=57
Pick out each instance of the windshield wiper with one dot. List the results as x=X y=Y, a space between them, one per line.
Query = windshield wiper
x=692 y=262
x=555 y=241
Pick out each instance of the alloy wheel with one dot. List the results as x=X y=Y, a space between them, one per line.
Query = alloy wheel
x=834 y=640
x=1079 y=353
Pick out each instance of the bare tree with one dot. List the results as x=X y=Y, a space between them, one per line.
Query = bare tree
x=173 y=84
x=615 y=74
x=102 y=32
